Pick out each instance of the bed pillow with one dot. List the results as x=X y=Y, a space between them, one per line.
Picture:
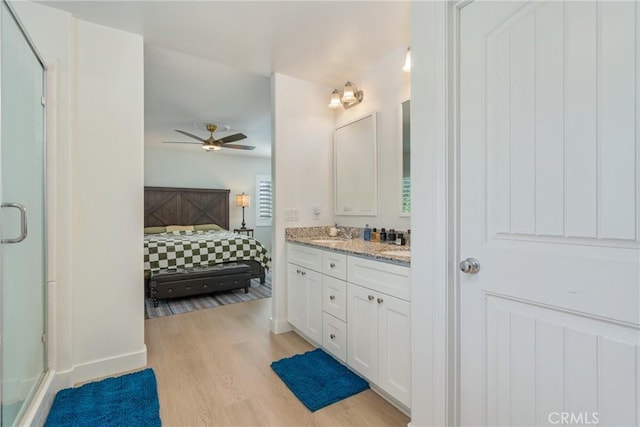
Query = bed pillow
x=207 y=227
x=171 y=228
x=154 y=230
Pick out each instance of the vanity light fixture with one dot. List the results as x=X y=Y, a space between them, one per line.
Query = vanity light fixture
x=407 y=61
x=350 y=96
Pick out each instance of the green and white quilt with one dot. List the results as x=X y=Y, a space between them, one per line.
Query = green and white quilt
x=197 y=248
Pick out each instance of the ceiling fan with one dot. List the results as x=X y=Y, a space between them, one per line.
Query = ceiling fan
x=212 y=143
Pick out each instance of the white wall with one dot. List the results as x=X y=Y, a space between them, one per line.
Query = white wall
x=192 y=167
x=302 y=164
x=385 y=87
x=108 y=194
x=95 y=181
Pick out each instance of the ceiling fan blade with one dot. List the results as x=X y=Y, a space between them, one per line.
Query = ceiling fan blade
x=240 y=147
x=233 y=138
x=181 y=142
x=190 y=135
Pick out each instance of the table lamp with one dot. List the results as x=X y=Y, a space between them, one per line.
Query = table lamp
x=242 y=201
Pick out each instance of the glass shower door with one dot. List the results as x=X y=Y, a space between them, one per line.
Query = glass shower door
x=22 y=252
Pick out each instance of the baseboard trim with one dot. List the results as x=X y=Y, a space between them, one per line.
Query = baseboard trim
x=36 y=414
x=279 y=326
x=109 y=366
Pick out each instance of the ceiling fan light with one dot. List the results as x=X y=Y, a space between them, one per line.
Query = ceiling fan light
x=335 y=100
x=210 y=147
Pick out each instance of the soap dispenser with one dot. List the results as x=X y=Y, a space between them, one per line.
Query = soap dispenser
x=367 y=233
x=333 y=231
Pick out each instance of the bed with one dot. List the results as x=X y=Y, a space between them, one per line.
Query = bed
x=167 y=206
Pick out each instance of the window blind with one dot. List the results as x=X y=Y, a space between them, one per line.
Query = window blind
x=264 y=203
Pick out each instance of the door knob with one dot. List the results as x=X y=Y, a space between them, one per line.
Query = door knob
x=470 y=266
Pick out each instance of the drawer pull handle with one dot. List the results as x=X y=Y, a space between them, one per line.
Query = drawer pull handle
x=380 y=300
x=370 y=297
x=332 y=297
x=332 y=265
x=298 y=271
x=332 y=336
x=303 y=273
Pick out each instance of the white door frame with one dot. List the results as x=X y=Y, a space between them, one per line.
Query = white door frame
x=453 y=203
x=433 y=121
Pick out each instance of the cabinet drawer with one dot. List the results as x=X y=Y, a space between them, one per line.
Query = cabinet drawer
x=305 y=256
x=334 y=264
x=390 y=279
x=334 y=338
x=334 y=297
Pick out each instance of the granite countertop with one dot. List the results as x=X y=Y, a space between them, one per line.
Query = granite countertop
x=358 y=247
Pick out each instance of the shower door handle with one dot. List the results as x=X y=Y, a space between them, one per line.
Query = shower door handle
x=23 y=222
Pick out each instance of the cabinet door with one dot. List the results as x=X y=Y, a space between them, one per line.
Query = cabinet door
x=394 y=340
x=295 y=296
x=312 y=285
x=362 y=331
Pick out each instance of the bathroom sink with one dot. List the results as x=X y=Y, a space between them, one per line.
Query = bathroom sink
x=396 y=253
x=327 y=241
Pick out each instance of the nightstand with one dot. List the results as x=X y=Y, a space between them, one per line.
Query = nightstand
x=247 y=231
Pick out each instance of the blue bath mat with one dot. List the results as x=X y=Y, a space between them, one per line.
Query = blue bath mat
x=317 y=379
x=129 y=400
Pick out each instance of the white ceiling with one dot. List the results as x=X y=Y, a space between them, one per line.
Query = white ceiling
x=211 y=60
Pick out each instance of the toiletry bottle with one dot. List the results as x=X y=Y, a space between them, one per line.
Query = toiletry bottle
x=367 y=232
x=333 y=231
x=391 y=236
x=375 y=236
x=383 y=235
x=400 y=239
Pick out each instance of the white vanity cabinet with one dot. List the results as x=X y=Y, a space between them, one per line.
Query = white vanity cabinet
x=304 y=282
x=379 y=325
x=358 y=309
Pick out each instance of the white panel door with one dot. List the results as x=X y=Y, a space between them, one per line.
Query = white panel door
x=548 y=169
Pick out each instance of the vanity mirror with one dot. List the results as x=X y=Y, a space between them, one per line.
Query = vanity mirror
x=405 y=157
x=355 y=167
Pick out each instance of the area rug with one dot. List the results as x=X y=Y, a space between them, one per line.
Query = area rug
x=129 y=400
x=167 y=307
x=317 y=379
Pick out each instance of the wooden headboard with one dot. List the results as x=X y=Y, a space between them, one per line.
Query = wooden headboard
x=185 y=206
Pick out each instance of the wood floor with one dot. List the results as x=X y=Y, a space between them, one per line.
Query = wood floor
x=212 y=368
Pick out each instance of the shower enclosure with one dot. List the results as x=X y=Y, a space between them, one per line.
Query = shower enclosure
x=22 y=219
